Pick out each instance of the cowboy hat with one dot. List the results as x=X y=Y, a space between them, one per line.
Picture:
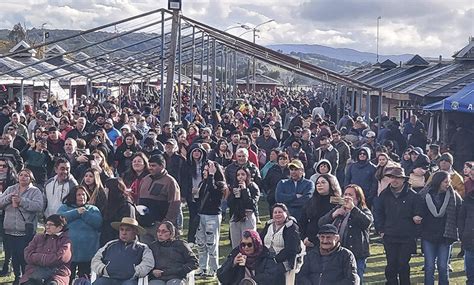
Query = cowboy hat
x=130 y=222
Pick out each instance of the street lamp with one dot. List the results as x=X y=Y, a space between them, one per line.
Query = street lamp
x=378 y=24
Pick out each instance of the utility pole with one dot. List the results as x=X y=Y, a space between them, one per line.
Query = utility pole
x=168 y=94
x=43 y=49
x=378 y=24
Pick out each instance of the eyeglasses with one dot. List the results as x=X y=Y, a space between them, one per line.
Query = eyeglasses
x=245 y=244
x=3 y=166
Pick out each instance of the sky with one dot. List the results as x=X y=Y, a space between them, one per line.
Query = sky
x=426 y=27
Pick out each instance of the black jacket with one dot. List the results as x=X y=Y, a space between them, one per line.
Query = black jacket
x=274 y=175
x=174 y=257
x=267 y=271
x=394 y=216
x=291 y=236
x=210 y=193
x=356 y=236
x=13 y=155
x=466 y=222
x=248 y=200
x=313 y=210
x=337 y=268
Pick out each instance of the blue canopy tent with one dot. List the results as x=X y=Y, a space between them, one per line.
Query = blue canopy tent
x=462 y=101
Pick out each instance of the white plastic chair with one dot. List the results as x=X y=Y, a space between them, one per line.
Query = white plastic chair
x=141 y=281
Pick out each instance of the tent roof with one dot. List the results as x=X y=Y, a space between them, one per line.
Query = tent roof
x=462 y=101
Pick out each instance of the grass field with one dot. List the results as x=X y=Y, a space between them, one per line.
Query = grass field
x=375 y=265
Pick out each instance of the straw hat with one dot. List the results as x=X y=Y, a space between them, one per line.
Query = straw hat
x=130 y=222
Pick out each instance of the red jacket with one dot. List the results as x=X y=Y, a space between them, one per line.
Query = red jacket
x=49 y=251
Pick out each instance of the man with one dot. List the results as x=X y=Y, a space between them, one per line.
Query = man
x=328 y=152
x=10 y=153
x=64 y=128
x=55 y=143
x=362 y=173
x=205 y=136
x=160 y=192
x=296 y=133
x=112 y=133
x=370 y=143
x=244 y=142
x=21 y=129
x=410 y=127
x=446 y=164
x=241 y=160
x=317 y=111
x=19 y=142
x=166 y=132
x=174 y=161
x=234 y=141
x=434 y=156
x=124 y=260
x=396 y=220
x=266 y=142
x=295 y=191
x=70 y=153
x=79 y=131
x=4 y=117
x=331 y=264
x=344 y=155
x=98 y=123
x=58 y=187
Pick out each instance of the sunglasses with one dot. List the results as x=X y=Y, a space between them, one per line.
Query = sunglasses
x=245 y=244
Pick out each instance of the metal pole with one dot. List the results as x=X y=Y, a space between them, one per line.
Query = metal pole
x=360 y=102
x=179 y=71
x=214 y=56
x=193 y=53
x=22 y=93
x=338 y=103
x=367 y=109
x=254 y=68
x=380 y=109
x=353 y=101
x=248 y=74
x=162 y=67
x=49 y=90
x=225 y=69
x=378 y=22
x=235 y=74
x=168 y=95
x=207 y=70
x=201 y=96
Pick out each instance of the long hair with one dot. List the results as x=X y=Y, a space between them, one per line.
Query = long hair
x=117 y=196
x=359 y=194
x=104 y=164
x=334 y=187
x=145 y=162
x=247 y=172
x=436 y=180
x=97 y=187
x=70 y=199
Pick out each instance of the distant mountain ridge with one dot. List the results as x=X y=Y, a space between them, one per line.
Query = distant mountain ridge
x=345 y=54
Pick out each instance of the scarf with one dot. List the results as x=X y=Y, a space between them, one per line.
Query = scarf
x=258 y=248
x=432 y=207
x=450 y=228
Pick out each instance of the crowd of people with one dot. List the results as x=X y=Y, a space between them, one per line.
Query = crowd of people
x=110 y=184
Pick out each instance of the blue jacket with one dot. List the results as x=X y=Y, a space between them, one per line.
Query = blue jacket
x=286 y=193
x=83 y=231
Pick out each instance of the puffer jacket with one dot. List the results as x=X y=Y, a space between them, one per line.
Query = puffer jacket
x=174 y=257
x=356 y=236
x=49 y=251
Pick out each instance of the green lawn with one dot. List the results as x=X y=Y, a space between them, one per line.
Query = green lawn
x=375 y=265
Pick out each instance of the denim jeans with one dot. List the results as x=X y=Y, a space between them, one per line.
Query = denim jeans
x=207 y=241
x=439 y=253
x=469 y=266
x=361 y=263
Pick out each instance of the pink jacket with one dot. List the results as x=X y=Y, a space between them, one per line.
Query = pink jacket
x=49 y=251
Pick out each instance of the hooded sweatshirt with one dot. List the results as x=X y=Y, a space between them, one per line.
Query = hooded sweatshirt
x=316 y=165
x=362 y=173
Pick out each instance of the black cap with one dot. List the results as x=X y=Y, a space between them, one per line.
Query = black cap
x=328 y=229
x=52 y=129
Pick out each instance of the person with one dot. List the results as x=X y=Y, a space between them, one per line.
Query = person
x=344 y=155
x=84 y=223
x=95 y=189
x=438 y=215
x=174 y=259
x=160 y=192
x=48 y=255
x=466 y=234
x=241 y=160
x=295 y=191
x=362 y=173
x=328 y=152
x=221 y=153
x=134 y=175
x=250 y=260
x=118 y=205
x=242 y=202
x=57 y=187
x=282 y=237
x=266 y=141
x=272 y=161
x=122 y=261
x=8 y=177
x=320 y=204
x=38 y=159
x=20 y=202
x=275 y=174
x=446 y=164
x=331 y=264
x=396 y=224
x=125 y=153
x=353 y=220
x=211 y=191
x=9 y=152
x=323 y=166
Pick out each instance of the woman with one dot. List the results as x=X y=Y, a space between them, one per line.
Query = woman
x=49 y=255
x=174 y=259
x=192 y=134
x=21 y=203
x=321 y=167
x=273 y=160
x=250 y=260
x=383 y=161
x=274 y=175
x=119 y=205
x=84 y=222
x=353 y=220
x=420 y=172
x=93 y=184
x=38 y=160
x=125 y=152
x=211 y=191
x=438 y=215
x=8 y=177
x=319 y=205
x=466 y=231
x=242 y=202
x=134 y=175
x=221 y=153
x=296 y=152
x=406 y=162
x=281 y=236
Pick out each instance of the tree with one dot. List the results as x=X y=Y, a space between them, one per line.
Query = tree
x=17 y=34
